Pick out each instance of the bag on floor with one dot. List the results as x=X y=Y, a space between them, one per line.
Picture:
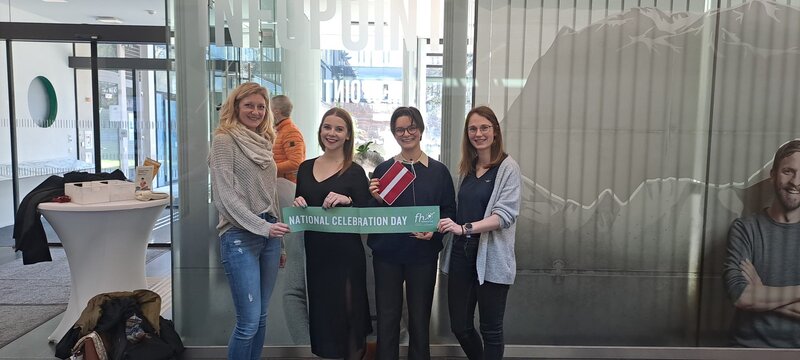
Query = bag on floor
x=90 y=347
x=124 y=331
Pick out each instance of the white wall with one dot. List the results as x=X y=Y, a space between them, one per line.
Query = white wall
x=48 y=60
x=31 y=60
x=4 y=10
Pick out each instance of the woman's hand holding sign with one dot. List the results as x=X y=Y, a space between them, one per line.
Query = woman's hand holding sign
x=427 y=235
x=448 y=225
x=278 y=229
x=374 y=189
x=300 y=202
x=333 y=199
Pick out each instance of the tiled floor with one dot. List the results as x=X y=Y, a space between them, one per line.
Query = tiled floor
x=34 y=345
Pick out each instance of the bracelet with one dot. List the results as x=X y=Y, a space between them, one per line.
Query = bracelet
x=462 y=230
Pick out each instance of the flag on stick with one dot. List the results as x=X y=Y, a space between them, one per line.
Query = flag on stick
x=394 y=182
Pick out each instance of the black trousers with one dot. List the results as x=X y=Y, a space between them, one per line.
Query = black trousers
x=419 y=280
x=463 y=293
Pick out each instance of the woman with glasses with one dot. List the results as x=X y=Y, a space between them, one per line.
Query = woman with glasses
x=336 y=269
x=243 y=184
x=480 y=259
x=409 y=259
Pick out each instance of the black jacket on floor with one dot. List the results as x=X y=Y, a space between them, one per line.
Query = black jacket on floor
x=29 y=235
x=114 y=328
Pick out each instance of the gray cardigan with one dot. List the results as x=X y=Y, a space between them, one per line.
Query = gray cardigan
x=496 y=261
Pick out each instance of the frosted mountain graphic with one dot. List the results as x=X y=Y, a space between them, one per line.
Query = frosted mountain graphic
x=630 y=86
x=612 y=130
x=660 y=27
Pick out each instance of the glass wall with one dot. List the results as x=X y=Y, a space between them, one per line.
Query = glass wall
x=369 y=75
x=639 y=144
x=642 y=129
x=47 y=141
x=353 y=62
x=52 y=95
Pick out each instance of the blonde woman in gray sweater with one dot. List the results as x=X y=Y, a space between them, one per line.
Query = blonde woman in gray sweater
x=243 y=185
x=480 y=258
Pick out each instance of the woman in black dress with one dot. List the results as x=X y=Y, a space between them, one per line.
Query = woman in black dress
x=335 y=263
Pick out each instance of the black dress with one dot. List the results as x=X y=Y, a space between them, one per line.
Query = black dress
x=336 y=275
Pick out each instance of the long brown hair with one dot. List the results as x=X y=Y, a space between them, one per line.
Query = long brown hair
x=469 y=154
x=348 y=143
x=229 y=113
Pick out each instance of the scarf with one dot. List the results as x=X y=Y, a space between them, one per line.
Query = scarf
x=257 y=148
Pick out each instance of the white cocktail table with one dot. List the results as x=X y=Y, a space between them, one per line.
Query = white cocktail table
x=105 y=244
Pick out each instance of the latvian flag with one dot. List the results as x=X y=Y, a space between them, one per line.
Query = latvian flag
x=394 y=182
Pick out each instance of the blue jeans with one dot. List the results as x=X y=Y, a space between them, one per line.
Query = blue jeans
x=251 y=265
x=463 y=293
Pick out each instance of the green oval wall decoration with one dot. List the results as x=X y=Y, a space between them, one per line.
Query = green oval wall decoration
x=42 y=102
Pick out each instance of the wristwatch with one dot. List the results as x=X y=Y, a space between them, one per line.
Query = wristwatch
x=468 y=228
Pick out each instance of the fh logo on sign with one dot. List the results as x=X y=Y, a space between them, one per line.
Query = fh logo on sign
x=425 y=219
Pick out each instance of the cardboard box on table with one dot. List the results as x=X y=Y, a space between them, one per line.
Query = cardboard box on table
x=92 y=192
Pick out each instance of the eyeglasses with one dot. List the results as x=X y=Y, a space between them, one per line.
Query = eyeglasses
x=251 y=107
x=484 y=129
x=399 y=131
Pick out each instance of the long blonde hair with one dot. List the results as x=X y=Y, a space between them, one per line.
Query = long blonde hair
x=229 y=113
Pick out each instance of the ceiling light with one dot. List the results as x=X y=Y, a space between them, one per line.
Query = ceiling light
x=55 y=1
x=108 y=19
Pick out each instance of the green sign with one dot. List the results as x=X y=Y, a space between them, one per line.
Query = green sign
x=363 y=220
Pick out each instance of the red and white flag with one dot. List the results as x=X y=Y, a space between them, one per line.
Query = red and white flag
x=394 y=182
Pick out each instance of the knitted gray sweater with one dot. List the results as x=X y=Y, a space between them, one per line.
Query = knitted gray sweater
x=240 y=188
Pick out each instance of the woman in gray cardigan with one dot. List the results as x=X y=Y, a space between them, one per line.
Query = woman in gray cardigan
x=480 y=259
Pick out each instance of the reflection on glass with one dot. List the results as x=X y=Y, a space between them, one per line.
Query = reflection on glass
x=369 y=78
x=366 y=84
x=631 y=180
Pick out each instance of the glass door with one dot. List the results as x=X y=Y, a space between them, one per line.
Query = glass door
x=46 y=103
x=134 y=105
x=49 y=129
x=54 y=127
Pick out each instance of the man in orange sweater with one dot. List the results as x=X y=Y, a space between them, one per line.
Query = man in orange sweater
x=289 y=149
